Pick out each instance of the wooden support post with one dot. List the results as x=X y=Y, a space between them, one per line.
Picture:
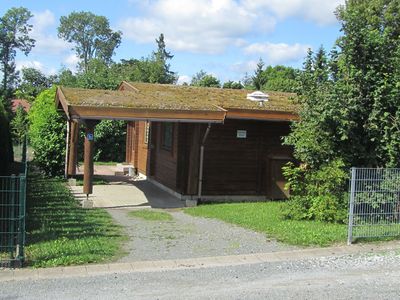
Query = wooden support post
x=135 y=145
x=194 y=154
x=73 y=148
x=88 y=158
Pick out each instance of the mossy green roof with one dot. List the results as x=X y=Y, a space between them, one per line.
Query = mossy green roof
x=174 y=97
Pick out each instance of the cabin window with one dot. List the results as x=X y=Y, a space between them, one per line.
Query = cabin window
x=167 y=134
x=146 y=132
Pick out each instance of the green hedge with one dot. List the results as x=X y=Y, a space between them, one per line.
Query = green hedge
x=47 y=133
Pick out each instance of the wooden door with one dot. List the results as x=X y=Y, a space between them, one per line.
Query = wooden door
x=277 y=180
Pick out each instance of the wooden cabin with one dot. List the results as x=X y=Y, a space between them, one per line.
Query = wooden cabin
x=197 y=143
x=243 y=156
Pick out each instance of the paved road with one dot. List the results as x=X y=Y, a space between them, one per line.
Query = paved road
x=365 y=276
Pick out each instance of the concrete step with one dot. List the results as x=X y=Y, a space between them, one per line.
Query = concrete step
x=124 y=169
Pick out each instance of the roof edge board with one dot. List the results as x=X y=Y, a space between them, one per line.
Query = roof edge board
x=183 y=120
x=262 y=115
x=85 y=112
x=129 y=85
x=60 y=99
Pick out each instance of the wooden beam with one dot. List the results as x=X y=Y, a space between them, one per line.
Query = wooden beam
x=266 y=115
x=61 y=102
x=194 y=154
x=88 y=157
x=73 y=149
x=136 y=132
x=126 y=86
x=128 y=142
x=127 y=113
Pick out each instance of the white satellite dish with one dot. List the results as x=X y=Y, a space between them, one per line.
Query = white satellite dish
x=258 y=97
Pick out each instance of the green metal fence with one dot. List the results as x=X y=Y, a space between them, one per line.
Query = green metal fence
x=374 y=208
x=12 y=216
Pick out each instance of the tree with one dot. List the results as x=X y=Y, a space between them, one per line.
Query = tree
x=349 y=104
x=99 y=76
x=369 y=62
x=91 y=35
x=33 y=82
x=203 y=79
x=159 y=68
x=67 y=78
x=6 y=155
x=14 y=35
x=232 y=85
x=19 y=125
x=258 y=78
x=281 y=78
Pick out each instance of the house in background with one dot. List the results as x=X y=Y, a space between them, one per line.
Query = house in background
x=20 y=102
x=197 y=143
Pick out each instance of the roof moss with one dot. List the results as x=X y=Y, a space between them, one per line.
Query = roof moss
x=174 y=97
x=225 y=98
x=129 y=99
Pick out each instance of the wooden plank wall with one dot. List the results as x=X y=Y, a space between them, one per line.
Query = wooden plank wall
x=136 y=147
x=234 y=166
x=164 y=162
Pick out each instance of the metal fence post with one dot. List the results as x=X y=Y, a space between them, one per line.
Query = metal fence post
x=21 y=215
x=351 y=206
x=13 y=188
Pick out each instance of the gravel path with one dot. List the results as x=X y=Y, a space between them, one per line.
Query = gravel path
x=187 y=237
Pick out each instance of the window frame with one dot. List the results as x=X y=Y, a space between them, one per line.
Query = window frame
x=146 y=133
x=164 y=127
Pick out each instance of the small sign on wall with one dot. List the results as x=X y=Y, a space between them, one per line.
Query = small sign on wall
x=241 y=134
x=90 y=136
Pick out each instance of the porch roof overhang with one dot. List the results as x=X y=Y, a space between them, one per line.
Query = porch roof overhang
x=82 y=104
x=171 y=103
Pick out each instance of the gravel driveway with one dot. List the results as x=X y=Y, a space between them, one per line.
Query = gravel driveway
x=186 y=237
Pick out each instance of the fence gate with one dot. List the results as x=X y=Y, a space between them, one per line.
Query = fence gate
x=374 y=208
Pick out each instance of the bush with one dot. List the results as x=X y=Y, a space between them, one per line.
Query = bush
x=47 y=134
x=110 y=141
x=5 y=141
x=317 y=194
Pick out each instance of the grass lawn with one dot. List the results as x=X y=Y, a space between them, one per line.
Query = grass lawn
x=102 y=163
x=266 y=217
x=150 y=215
x=96 y=180
x=105 y=163
x=60 y=232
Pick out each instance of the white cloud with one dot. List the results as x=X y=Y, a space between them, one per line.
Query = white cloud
x=319 y=11
x=20 y=64
x=46 y=42
x=210 y=26
x=43 y=20
x=183 y=79
x=202 y=26
x=277 y=53
x=71 y=61
x=244 y=67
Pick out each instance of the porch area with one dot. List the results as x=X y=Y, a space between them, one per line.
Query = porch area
x=124 y=191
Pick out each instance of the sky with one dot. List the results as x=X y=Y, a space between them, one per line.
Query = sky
x=225 y=38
